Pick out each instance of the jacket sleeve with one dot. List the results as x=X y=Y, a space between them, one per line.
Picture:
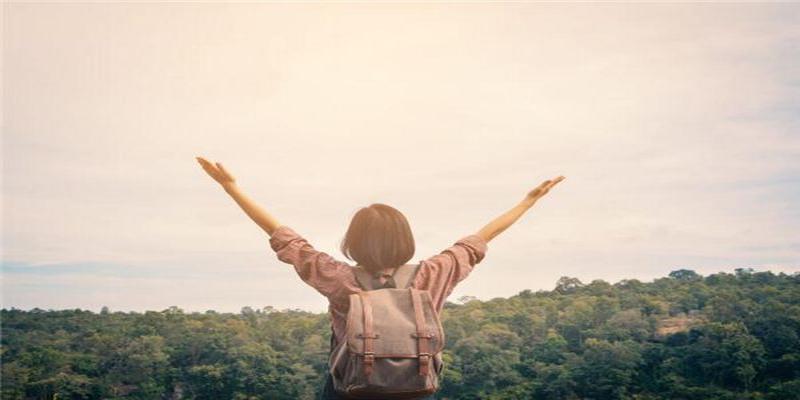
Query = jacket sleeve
x=330 y=277
x=440 y=274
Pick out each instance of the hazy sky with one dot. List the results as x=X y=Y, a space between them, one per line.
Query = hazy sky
x=677 y=127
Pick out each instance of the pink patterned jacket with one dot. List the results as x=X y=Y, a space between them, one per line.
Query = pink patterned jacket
x=335 y=280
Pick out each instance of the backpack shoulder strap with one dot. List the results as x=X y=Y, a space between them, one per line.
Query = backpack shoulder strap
x=363 y=277
x=402 y=277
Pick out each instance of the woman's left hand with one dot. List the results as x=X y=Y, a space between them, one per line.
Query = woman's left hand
x=218 y=172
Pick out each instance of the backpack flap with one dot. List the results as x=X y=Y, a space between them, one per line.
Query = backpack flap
x=391 y=314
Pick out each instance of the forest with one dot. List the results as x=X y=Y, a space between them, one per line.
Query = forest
x=684 y=336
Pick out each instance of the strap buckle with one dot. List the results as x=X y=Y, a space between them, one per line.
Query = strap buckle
x=424 y=363
x=369 y=360
x=369 y=357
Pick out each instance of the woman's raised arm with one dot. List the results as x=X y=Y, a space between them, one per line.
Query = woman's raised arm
x=502 y=222
x=262 y=218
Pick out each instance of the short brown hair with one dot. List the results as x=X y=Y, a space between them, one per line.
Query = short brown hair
x=378 y=238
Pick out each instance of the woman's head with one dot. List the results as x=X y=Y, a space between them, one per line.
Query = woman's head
x=379 y=237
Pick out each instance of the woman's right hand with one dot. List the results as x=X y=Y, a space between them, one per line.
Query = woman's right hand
x=542 y=189
x=502 y=222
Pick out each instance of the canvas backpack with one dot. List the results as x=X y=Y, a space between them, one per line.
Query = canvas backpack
x=394 y=340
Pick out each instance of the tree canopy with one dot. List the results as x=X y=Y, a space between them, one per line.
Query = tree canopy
x=685 y=336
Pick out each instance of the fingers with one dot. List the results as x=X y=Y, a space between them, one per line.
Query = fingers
x=207 y=166
x=210 y=169
x=545 y=187
x=555 y=182
x=204 y=162
x=224 y=171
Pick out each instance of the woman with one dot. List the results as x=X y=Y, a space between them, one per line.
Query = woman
x=379 y=239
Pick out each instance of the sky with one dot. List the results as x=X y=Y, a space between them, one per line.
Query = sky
x=676 y=127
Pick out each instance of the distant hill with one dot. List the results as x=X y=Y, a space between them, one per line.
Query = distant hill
x=685 y=336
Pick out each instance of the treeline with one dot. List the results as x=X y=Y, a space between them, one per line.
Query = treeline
x=685 y=336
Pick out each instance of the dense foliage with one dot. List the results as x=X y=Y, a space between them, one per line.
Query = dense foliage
x=724 y=336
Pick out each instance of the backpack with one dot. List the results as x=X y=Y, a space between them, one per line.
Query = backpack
x=394 y=340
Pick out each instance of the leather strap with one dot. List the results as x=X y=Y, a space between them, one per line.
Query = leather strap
x=423 y=352
x=368 y=335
